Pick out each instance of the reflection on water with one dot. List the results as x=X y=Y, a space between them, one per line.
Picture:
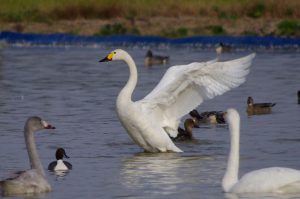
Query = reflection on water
x=168 y=173
x=71 y=90
x=60 y=174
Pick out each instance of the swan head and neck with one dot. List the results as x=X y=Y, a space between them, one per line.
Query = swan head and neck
x=230 y=178
x=32 y=125
x=119 y=54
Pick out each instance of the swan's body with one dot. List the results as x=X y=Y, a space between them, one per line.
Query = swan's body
x=150 y=120
x=268 y=180
x=33 y=180
x=60 y=164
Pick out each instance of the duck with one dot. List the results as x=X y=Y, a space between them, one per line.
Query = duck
x=258 y=108
x=222 y=48
x=186 y=134
x=59 y=164
x=298 y=97
x=34 y=180
x=278 y=180
x=151 y=59
x=151 y=120
x=208 y=117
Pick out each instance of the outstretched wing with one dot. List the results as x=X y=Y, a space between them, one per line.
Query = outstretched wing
x=184 y=87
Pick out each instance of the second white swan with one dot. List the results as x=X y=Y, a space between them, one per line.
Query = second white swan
x=182 y=88
x=277 y=180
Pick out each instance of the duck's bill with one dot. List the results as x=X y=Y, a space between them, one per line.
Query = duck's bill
x=66 y=155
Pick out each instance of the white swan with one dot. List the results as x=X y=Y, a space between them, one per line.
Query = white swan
x=181 y=89
x=34 y=180
x=277 y=180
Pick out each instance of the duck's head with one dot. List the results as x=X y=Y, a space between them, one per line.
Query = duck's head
x=191 y=123
x=60 y=154
x=250 y=101
x=149 y=54
x=117 y=54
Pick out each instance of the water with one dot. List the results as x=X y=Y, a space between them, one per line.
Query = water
x=69 y=88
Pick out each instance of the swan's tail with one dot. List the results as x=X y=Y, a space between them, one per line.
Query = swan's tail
x=174 y=148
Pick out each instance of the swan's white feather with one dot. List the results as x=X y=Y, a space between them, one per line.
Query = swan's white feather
x=269 y=180
x=184 y=87
x=278 y=180
x=181 y=89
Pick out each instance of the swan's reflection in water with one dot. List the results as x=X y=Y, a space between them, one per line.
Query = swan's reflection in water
x=165 y=173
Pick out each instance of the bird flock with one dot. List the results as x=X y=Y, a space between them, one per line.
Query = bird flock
x=153 y=123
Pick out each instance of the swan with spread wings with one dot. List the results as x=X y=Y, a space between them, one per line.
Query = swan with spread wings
x=152 y=120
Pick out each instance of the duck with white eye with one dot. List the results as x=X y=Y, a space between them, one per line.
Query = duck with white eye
x=276 y=180
x=60 y=164
x=182 y=88
x=31 y=181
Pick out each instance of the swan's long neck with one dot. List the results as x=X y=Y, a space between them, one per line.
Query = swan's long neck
x=231 y=175
x=32 y=151
x=126 y=93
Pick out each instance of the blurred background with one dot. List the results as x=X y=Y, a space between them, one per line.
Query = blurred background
x=168 y=18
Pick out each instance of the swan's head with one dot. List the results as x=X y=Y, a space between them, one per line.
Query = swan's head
x=60 y=154
x=232 y=117
x=36 y=123
x=117 y=54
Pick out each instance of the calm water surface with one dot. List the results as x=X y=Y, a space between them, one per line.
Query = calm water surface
x=69 y=88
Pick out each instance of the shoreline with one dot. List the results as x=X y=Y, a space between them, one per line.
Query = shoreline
x=61 y=39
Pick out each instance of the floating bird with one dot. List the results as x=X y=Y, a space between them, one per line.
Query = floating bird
x=59 y=164
x=208 y=117
x=258 y=108
x=151 y=59
x=222 y=48
x=186 y=134
x=268 y=180
x=34 y=180
x=182 y=88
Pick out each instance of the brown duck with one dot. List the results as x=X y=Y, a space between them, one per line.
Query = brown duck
x=258 y=108
x=186 y=134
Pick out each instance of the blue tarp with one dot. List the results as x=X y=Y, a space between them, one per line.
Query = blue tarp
x=62 y=39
